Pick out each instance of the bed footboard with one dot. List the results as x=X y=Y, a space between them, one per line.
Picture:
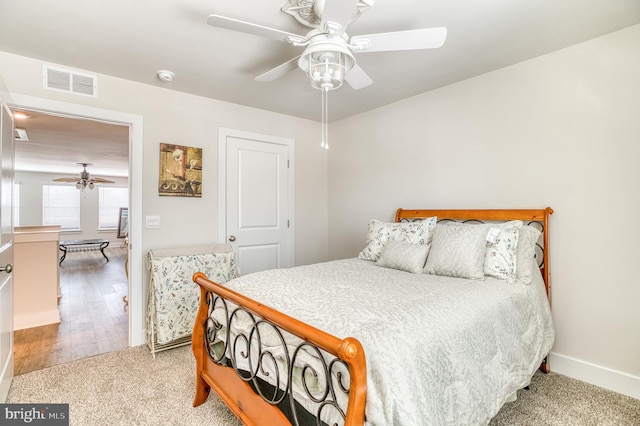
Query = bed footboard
x=278 y=370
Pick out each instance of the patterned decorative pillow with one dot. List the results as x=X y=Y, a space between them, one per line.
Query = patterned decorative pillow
x=417 y=232
x=526 y=252
x=458 y=251
x=500 y=260
x=404 y=256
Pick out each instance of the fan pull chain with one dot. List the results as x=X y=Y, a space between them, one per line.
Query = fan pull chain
x=325 y=119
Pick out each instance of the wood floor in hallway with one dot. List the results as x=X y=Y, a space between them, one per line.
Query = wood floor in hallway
x=94 y=316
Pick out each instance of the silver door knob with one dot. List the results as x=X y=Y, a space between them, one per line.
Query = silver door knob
x=8 y=269
x=232 y=238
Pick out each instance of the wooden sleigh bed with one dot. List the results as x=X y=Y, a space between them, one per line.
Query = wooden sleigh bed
x=273 y=369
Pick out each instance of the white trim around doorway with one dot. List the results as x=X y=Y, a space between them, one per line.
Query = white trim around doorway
x=136 y=299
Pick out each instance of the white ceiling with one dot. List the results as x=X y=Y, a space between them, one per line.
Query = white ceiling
x=56 y=144
x=135 y=39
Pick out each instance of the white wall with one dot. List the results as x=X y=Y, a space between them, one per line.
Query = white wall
x=31 y=206
x=562 y=130
x=178 y=118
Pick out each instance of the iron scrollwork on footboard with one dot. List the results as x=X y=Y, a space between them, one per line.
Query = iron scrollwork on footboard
x=307 y=383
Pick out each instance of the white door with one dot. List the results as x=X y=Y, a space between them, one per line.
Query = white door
x=256 y=191
x=6 y=250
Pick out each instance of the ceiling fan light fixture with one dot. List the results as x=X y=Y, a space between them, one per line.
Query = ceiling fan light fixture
x=326 y=64
x=326 y=61
x=327 y=70
x=85 y=180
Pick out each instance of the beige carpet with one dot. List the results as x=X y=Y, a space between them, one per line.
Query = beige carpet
x=130 y=387
x=127 y=387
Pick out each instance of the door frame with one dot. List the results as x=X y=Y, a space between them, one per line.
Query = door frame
x=134 y=121
x=223 y=134
x=6 y=281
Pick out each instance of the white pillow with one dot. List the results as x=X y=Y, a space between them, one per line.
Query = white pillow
x=417 y=232
x=458 y=251
x=526 y=252
x=404 y=256
x=500 y=260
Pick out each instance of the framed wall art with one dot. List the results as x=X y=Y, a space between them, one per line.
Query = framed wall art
x=180 y=171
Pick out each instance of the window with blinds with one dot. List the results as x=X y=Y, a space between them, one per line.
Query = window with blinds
x=61 y=206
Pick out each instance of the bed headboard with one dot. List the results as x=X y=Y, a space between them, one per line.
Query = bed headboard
x=535 y=217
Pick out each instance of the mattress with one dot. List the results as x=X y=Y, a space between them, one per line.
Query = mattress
x=440 y=350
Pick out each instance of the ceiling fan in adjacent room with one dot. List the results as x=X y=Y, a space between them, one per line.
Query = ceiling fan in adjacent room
x=84 y=180
x=328 y=57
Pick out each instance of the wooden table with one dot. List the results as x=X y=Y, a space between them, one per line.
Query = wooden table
x=73 y=245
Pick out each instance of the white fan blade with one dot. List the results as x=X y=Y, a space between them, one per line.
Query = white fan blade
x=279 y=71
x=249 y=28
x=427 y=38
x=338 y=12
x=357 y=78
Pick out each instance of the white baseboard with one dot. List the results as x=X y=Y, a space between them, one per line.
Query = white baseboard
x=604 y=377
x=35 y=320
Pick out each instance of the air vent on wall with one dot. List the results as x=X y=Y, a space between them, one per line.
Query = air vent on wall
x=70 y=81
x=21 y=135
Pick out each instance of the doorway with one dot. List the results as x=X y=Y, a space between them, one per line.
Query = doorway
x=135 y=248
x=92 y=298
x=6 y=250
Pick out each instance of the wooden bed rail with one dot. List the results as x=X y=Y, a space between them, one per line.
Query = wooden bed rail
x=236 y=393
x=512 y=214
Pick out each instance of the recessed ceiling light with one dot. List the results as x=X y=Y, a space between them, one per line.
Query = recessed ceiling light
x=20 y=115
x=165 y=75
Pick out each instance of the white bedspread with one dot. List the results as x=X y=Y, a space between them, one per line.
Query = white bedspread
x=440 y=350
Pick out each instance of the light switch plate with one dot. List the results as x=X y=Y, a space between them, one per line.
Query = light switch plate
x=153 y=222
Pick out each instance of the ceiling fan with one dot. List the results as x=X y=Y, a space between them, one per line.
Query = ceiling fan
x=328 y=56
x=85 y=180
